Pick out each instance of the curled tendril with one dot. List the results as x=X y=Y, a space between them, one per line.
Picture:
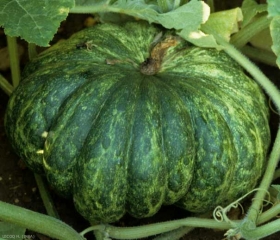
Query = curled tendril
x=272 y=108
x=220 y=213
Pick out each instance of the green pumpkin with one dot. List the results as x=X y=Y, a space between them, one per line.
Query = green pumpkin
x=127 y=119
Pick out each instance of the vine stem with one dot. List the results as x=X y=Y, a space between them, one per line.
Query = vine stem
x=6 y=86
x=163 y=227
x=260 y=55
x=46 y=198
x=175 y=234
x=14 y=60
x=176 y=228
x=274 y=93
x=32 y=52
x=37 y=222
x=245 y=34
x=263 y=231
x=164 y=5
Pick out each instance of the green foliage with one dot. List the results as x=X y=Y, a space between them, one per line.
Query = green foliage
x=273 y=8
x=197 y=12
x=274 y=12
x=35 y=21
x=250 y=9
x=40 y=20
x=275 y=34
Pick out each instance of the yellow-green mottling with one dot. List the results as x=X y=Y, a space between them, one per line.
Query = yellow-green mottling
x=195 y=133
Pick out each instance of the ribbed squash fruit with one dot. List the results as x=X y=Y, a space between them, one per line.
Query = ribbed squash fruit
x=127 y=118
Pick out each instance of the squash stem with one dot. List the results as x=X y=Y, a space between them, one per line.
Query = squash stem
x=165 y=6
x=269 y=214
x=47 y=200
x=263 y=231
x=6 y=86
x=163 y=227
x=211 y=4
x=14 y=60
x=260 y=55
x=180 y=232
x=32 y=51
x=242 y=37
x=175 y=234
x=176 y=4
x=274 y=93
x=37 y=222
x=174 y=229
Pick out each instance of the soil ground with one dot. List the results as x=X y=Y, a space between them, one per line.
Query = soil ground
x=18 y=186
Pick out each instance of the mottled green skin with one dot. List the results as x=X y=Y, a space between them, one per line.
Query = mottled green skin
x=195 y=134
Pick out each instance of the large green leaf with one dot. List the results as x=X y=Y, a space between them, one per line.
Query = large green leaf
x=189 y=16
x=139 y=9
x=225 y=22
x=273 y=8
x=250 y=9
x=274 y=11
x=275 y=34
x=35 y=21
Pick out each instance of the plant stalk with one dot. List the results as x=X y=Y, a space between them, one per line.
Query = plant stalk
x=269 y=214
x=263 y=231
x=173 y=229
x=163 y=227
x=6 y=86
x=14 y=60
x=37 y=222
x=32 y=52
x=175 y=234
x=260 y=55
x=164 y=5
x=47 y=200
x=242 y=37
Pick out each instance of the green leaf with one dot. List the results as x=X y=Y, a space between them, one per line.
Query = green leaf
x=35 y=21
x=250 y=9
x=118 y=10
x=187 y=19
x=273 y=8
x=137 y=8
x=11 y=231
x=275 y=34
x=225 y=22
x=188 y=16
x=199 y=39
